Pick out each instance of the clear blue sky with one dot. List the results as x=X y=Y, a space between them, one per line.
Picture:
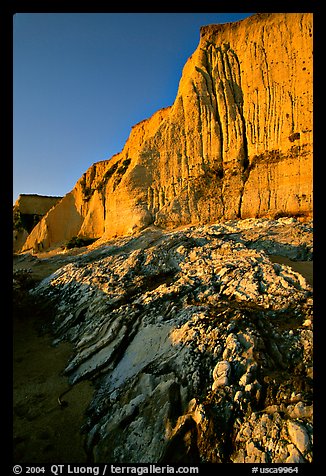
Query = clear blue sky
x=82 y=80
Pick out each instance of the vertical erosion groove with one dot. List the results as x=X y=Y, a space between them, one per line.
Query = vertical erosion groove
x=222 y=70
x=238 y=97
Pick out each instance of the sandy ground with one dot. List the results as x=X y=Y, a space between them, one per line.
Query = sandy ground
x=305 y=268
x=43 y=431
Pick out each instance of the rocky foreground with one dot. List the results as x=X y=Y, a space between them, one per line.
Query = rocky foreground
x=198 y=344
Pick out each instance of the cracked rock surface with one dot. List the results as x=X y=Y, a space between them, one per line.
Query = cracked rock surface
x=199 y=346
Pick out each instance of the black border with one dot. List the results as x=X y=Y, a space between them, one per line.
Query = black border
x=8 y=8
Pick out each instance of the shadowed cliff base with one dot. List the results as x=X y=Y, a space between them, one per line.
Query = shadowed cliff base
x=42 y=431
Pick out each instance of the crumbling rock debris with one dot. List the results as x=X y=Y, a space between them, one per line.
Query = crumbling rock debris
x=198 y=345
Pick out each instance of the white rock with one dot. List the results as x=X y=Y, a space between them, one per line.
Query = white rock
x=302 y=411
x=222 y=368
x=294 y=456
x=192 y=405
x=298 y=436
x=250 y=387
x=220 y=382
x=245 y=379
x=199 y=414
x=238 y=396
x=162 y=326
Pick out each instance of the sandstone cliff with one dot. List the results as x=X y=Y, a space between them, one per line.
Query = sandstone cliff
x=236 y=143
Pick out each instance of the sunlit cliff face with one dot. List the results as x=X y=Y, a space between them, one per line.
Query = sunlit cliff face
x=236 y=143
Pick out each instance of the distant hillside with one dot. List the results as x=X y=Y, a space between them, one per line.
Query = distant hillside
x=28 y=211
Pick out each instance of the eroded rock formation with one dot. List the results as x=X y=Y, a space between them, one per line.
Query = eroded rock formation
x=236 y=143
x=198 y=345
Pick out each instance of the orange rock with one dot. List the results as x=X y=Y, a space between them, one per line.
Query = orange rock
x=236 y=143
